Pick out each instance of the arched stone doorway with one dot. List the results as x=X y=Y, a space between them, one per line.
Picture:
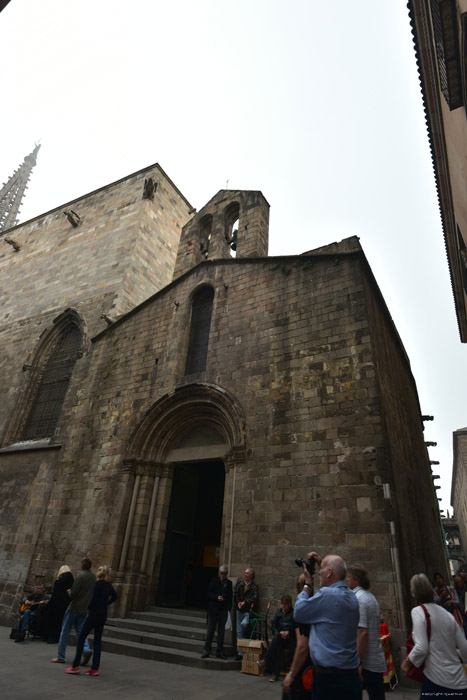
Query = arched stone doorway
x=180 y=481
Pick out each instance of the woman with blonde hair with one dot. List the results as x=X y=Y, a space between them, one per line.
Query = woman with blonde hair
x=436 y=635
x=57 y=604
x=103 y=595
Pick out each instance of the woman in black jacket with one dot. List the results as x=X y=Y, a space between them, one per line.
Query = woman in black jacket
x=103 y=595
x=57 y=604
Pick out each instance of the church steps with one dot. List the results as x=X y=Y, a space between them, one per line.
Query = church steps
x=188 y=612
x=149 y=629
x=163 y=634
x=170 y=619
x=169 y=655
x=154 y=627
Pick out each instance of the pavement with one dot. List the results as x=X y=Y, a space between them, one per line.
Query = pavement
x=27 y=674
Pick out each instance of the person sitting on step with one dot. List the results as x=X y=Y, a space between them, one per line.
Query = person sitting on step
x=283 y=630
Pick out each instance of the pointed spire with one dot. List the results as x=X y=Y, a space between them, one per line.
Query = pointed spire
x=12 y=192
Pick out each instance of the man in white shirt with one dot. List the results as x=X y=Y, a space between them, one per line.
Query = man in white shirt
x=370 y=651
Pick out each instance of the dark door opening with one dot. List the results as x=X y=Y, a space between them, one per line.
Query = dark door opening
x=193 y=535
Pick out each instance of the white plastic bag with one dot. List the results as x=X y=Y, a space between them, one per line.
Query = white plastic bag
x=228 y=624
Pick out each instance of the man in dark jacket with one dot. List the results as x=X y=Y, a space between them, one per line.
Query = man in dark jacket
x=284 y=637
x=219 y=604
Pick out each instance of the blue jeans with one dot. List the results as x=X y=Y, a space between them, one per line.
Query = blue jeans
x=243 y=619
x=26 y=618
x=71 y=619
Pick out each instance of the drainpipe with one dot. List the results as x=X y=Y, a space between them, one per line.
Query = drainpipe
x=394 y=556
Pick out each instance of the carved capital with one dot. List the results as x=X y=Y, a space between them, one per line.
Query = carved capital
x=145 y=467
x=236 y=456
x=129 y=466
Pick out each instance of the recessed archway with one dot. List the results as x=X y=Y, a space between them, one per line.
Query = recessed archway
x=182 y=449
x=189 y=406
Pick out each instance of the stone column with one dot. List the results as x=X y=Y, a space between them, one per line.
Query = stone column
x=234 y=458
x=133 y=576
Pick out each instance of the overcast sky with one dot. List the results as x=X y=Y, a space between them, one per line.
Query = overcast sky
x=317 y=104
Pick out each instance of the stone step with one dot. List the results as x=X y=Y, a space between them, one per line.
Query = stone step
x=155 y=626
x=173 y=635
x=162 y=617
x=189 y=612
x=169 y=655
x=162 y=640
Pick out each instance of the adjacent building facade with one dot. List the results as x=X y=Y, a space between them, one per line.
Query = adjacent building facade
x=440 y=35
x=459 y=481
x=173 y=398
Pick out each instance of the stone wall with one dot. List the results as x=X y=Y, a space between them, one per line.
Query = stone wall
x=459 y=481
x=305 y=352
x=290 y=341
x=122 y=251
x=403 y=460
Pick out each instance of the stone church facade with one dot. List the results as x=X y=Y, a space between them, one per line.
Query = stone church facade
x=169 y=405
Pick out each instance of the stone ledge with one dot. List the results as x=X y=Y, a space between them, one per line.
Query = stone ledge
x=30 y=445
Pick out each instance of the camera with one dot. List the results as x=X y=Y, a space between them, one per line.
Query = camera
x=309 y=563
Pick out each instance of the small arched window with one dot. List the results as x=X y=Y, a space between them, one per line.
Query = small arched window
x=201 y=312
x=232 y=214
x=205 y=229
x=47 y=403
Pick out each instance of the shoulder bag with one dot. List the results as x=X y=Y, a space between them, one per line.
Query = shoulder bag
x=416 y=673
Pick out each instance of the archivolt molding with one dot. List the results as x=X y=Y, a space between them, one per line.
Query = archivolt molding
x=184 y=408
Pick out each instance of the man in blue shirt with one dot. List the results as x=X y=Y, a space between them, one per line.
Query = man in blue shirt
x=333 y=613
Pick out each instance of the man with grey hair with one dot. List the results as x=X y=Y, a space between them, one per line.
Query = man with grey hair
x=219 y=604
x=333 y=613
x=370 y=651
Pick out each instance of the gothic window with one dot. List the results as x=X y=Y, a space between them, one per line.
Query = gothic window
x=232 y=214
x=201 y=311
x=47 y=403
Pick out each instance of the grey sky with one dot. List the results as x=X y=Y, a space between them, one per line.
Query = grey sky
x=317 y=104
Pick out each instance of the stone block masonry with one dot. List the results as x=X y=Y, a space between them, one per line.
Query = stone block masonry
x=291 y=340
x=306 y=413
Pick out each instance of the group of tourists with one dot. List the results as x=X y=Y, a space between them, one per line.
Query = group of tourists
x=79 y=602
x=335 y=633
